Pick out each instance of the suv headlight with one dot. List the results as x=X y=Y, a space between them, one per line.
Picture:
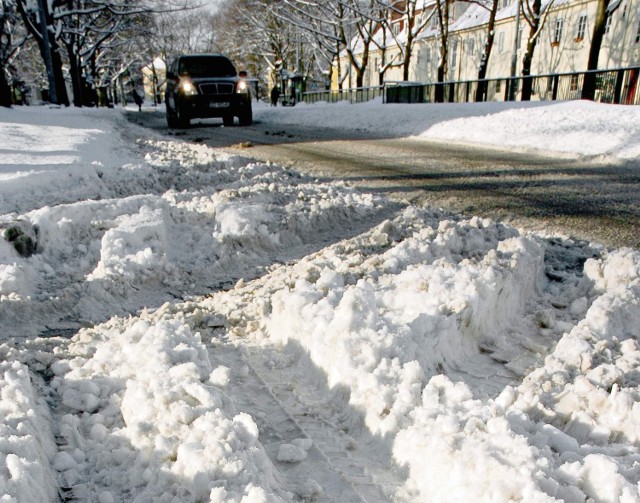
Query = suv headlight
x=187 y=88
x=242 y=87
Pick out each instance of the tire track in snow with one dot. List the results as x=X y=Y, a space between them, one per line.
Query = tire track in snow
x=338 y=468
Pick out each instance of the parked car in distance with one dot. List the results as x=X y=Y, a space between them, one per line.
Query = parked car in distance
x=206 y=85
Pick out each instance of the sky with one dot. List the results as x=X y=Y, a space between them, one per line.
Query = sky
x=180 y=324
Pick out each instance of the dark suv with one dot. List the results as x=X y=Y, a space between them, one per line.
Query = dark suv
x=206 y=85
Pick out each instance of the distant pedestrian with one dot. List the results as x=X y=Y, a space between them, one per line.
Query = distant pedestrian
x=275 y=94
x=138 y=98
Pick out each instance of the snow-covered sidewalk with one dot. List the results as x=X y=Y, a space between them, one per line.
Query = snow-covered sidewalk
x=183 y=325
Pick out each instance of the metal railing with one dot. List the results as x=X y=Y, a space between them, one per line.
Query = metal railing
x=620 y=85
x=353 y=95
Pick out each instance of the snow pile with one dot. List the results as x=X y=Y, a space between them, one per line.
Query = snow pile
x=27 y=445
x=207 y=220
x=141 y=421
x=135 y=245
x=430 y=323
x=420 y=308
x=12 y=279
x=460 y=449
x=473 y=362
x=584 y=403
x=378 y=119
x=578 y=128
x=582 y=127
x=46 y=161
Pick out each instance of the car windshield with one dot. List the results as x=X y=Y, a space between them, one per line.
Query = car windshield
x=206 y=66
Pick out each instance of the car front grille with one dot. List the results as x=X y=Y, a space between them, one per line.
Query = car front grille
x=218 y=88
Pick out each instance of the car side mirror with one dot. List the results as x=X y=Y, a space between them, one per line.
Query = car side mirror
x=171 y=75
x=243 y=74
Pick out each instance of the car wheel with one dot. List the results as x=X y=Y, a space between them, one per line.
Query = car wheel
x=246 y=117
x=182 y=121
x=227 y=120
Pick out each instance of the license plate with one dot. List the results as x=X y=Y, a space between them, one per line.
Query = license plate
x=218 y=104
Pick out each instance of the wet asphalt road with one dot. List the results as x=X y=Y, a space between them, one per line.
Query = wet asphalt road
x=584 y=199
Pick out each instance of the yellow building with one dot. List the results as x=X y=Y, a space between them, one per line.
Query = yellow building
x=562 y=46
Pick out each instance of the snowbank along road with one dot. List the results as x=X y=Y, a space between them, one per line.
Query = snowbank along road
x=198 y=326
x=587 y=198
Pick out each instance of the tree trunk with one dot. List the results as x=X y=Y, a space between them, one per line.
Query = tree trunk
x=382 y=68
x=91 y=94
x=56 y=61
x=439 y=95
x=383 y=63
x=76 y=80
x=443 y=24
x=362 y=67
x=123 y=96
x=154 y=84
x=442 y=69
x=407 y=62
x=589 y=87
x=408 y=49
x=114 y=91
x=338 y=67
x=527 y=83
x=360 y=76
x=481 y=90
x=527 y=60
x=5 y=90
x=61 y=86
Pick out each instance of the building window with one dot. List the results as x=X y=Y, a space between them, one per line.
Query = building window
x=501 y=41
x=638 y=34
x=427 y=55
x=581 y=27
x=396 y=29
x=506 y=3
x=574 y=83
x=454 y=54
x=471 y=46
x=607 y=24
x=557 y=31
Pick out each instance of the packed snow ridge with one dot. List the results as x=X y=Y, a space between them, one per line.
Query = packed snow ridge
x=184 y=325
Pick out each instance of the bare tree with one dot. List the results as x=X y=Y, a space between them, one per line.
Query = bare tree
x=91 y=32
x=272 y=40
x=599 y=27
x=334 y=28
x=443 y=12
x=415 y=17
x=366 y=22
x=276 y=39
x=488 y=46
x=11 y=41
x=321 y=25
x=169 y=30
x=535 y=14
x=327 y=25
x=30 y=15
x=89 y=28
